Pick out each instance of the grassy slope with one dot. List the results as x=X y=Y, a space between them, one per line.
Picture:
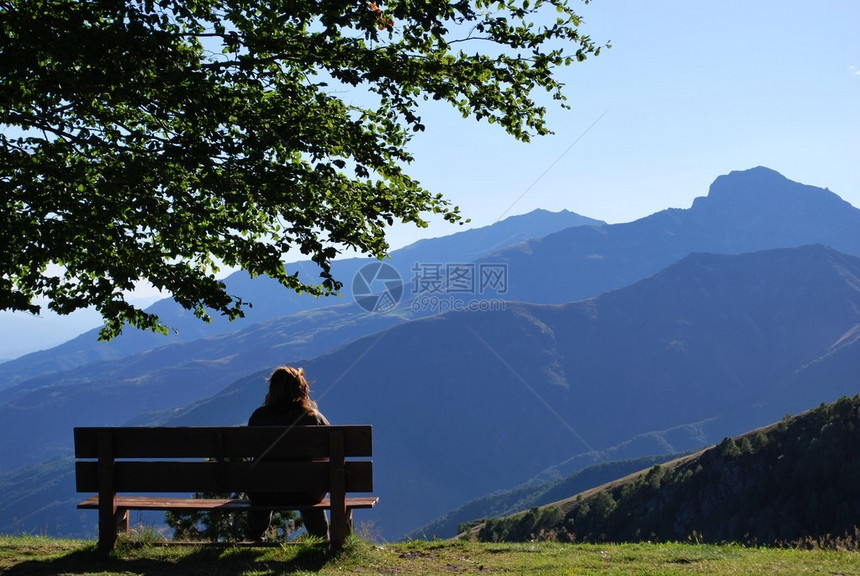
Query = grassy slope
x=36 y=556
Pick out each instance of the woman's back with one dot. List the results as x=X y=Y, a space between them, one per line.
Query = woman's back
x=286 y=415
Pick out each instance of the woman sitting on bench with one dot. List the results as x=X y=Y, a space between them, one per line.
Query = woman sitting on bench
x=288 y=403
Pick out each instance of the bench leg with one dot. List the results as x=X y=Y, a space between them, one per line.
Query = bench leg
x=107 y=534
x=340 y=528
x=108 y=528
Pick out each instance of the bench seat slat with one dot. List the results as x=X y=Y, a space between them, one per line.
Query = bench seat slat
x=218 y=504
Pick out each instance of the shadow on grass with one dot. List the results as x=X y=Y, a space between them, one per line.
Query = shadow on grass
x=187 y=562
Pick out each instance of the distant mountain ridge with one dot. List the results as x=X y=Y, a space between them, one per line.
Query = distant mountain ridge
x=271 y=300
x=551 y=257
x=745 y=211
x=564 y=266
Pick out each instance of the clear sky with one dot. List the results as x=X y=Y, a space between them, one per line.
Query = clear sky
x=689 y=91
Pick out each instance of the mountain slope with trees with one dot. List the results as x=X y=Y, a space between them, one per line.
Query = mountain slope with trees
x=793 y=481
x=530 y=495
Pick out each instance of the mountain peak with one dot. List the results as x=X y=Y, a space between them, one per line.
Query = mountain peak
x=760 y=174
x=761 y=188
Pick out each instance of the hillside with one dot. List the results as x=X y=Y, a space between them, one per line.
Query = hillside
x=577 y=473
x=793 y=481
x=530 y=495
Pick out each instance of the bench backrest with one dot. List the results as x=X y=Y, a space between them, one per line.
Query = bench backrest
x=240 y=459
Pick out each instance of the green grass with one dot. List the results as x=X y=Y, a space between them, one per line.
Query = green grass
x=43 y=556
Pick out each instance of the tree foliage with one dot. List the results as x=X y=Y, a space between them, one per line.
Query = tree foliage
x=158 y=140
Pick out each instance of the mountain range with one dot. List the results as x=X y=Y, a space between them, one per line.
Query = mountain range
x=166 y=378
x=744 y=211
x=468 y=403
x=270 y=300
x=550 y=258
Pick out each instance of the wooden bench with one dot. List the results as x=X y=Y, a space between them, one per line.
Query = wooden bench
x=114 y=462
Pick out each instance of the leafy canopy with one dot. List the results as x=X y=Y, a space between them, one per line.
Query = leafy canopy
x=156 y=140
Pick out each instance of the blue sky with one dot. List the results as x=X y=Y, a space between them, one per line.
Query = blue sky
x=689 y=91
